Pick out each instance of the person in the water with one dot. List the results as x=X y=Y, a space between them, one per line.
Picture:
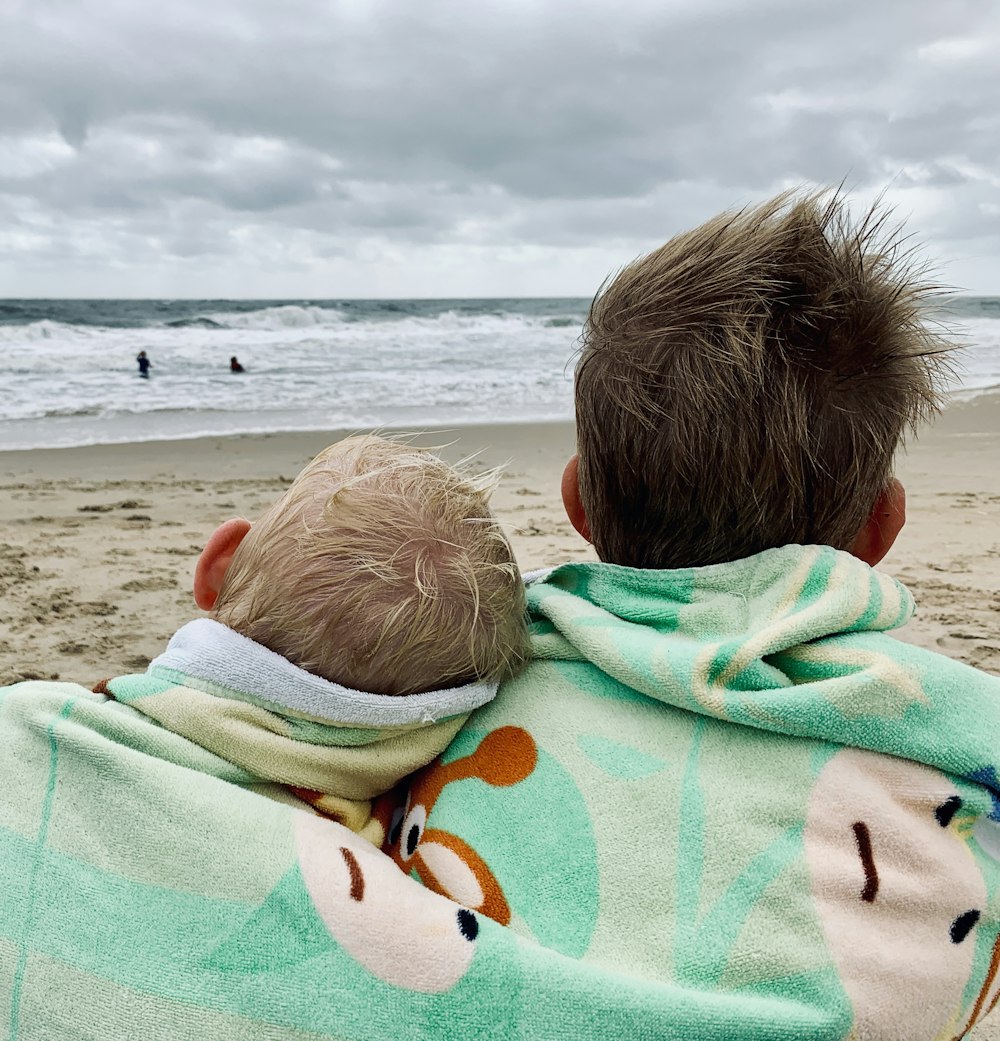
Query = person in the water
x=234 y=365
x=144 y=364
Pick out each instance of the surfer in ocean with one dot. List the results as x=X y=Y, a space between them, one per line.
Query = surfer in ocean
x=144 y=364
x=234 y=365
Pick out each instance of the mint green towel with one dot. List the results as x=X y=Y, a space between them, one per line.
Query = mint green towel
x=673 y=808
x=689 y=787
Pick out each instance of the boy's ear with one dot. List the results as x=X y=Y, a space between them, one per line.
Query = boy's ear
x=883 y=525
x=571 y=498
x=215 y=560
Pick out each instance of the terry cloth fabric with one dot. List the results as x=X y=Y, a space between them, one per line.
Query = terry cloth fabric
x=147 y=890
x=728 y=784
x=335 y=747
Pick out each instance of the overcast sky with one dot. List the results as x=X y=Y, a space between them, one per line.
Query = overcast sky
x=524 y=147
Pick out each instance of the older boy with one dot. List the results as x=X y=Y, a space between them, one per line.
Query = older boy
x=731 y=784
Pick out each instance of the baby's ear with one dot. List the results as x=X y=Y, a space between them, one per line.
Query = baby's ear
x=215 y=560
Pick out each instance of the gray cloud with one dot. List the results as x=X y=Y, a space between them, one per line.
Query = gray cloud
x=287 y=135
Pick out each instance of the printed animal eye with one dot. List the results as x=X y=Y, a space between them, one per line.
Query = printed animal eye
x=411 y=830
x=947 y=810
x=963 y=925
x=468 y=924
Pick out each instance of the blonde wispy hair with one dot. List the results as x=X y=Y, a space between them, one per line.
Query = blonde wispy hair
x=383 y=569
x=747 y=384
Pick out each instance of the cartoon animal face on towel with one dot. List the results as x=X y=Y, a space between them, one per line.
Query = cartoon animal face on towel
x=444 y=862
x=399 y=931
x=898 y=893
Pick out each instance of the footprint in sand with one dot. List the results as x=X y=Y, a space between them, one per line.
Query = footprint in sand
x=13 y=570
x=974 y=650
x=27 y=675
x=107 y=507
x=148 y=585
x=72 y=647
x=957 y=641
x=99 y=608
x=33 y=493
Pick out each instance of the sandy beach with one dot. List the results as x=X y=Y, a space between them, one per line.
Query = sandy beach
x=98 y=544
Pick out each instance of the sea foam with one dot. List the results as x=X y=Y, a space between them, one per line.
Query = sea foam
x=68 y=371
x=71 y=378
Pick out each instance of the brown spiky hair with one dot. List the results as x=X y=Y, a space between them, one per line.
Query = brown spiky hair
x=383 y=569
x=747 y=384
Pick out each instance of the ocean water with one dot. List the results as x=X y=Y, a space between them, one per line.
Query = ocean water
x=68 y=374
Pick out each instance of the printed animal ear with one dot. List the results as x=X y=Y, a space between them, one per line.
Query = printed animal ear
x=445 y=863
x=504 y=757
x=450 y=866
